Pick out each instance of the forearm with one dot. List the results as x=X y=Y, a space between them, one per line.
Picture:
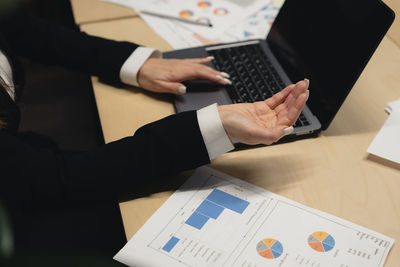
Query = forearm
x=157 y=150
x=49 y=43
x=166 y=147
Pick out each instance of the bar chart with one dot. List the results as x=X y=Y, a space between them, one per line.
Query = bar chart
x=213 y=206
x=211 y=224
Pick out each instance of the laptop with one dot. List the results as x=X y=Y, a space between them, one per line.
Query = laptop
x=328 y=42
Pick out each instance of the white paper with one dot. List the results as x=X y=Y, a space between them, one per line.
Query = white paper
x=180 y=36
x=252 y=20
x=222 y=14
x=256 y=26
x=245 y=225
x=393 y=105
x=387 y=142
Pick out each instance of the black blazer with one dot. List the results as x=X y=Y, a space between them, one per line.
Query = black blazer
x=33 y=171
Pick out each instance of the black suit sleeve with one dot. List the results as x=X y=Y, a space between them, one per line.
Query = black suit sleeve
x=31 y=174
x=44 y=42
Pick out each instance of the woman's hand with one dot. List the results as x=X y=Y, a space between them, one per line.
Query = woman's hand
x=166 y=75
x=265 y=122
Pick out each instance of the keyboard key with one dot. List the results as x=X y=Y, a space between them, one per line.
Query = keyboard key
x=298 y=124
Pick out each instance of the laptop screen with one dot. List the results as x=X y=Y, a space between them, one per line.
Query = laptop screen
x=330 y=43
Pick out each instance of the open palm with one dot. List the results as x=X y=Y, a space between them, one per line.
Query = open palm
x=267 y=121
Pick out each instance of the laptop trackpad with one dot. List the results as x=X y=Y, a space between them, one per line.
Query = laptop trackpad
x=200 y=94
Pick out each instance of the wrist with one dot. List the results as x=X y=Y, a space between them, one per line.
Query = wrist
x=134 y=63
x=142 y=73
x=213 y=132
x=225 y=116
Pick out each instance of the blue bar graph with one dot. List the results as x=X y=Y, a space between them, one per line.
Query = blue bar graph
x=228 y=201
x=210 y=209
x=197 y=220
x=171 y=244
x=216 y=202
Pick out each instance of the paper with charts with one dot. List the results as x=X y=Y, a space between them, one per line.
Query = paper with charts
x=233 y=20
x=218 y=220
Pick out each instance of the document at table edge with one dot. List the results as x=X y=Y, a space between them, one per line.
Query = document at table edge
x=133 y=255
x=386 y=143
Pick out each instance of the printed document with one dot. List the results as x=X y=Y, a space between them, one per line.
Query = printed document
x=217 y=220
x=386 y=143
x=233 y=20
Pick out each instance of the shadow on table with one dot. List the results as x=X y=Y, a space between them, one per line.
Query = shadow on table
x=164 y=184
x=383 y=161
x=160 y=97
x=247 y=170
x=350 y=121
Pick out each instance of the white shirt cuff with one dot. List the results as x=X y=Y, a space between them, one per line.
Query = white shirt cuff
x=215 y=138
x=134 y=62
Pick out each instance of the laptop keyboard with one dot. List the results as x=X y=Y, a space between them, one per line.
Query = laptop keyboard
x=252 y=74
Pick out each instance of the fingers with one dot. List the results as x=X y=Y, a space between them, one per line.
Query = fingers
x=210 y=74
x=299 y=88
x=204 y=60
x=278 y=98
x=295 y=109
x=171 y=87
x=288 y=94
x=280 y=132
x=175 y=87
x=207 y=73
x=166 y=75
x=289 y=113
x=260 y=135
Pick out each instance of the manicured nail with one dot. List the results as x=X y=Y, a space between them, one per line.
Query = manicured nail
x=307 y=82
x=225 y=75
x=224 y=80
x=182 y=89
x=308 y=94
x=210 y=58
x=288 y=130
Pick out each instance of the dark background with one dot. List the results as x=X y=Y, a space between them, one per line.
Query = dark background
x=60 y=104
x=56 y=102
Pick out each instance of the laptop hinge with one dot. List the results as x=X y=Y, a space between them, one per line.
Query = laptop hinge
x=231 y=45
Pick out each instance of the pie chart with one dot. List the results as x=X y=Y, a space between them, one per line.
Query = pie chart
x=204 y=4
x=186 y=13
x=204 y=20
x=269 y=248
x=221 y=11
x=321 y=241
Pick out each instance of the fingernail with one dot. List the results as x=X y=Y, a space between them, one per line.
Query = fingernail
x=308 y=94
x=224 y=80
x=307 y=82
x=288 y=130
x=182 y=89
x=210 y=58
x=224 y=74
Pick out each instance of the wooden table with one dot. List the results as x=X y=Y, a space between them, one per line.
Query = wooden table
x=332 y=173
x=92 y=11
x=394 y=31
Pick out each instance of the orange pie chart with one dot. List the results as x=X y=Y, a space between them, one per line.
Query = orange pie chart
x=204 y=4
x=321 y=241
x=186 y=13
x=269 y=248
